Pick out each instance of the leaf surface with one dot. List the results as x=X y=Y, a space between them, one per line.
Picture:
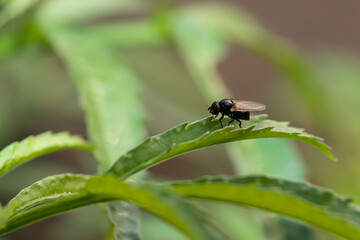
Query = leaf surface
x=202 y=133
x=80 y=11
x=108 y=94
x=139 y=33
x=299 y=200
x=14 y=9
x=110 y=97
x=71 y=191
x=18 y=153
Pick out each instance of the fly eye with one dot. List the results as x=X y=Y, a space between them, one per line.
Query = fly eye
x=215 y=108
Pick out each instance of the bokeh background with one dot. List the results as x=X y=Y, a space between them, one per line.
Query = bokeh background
x=37 y=95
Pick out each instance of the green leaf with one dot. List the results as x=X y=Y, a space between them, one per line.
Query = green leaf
x=72 y=12
x=303 y=201
x=339 y=80
x=155 y=229
x=126 y=218
x=44 y=190
x=14 y=9
x=201 y=49
x=71 y=191
x=202 y=133
x=10 y=43
x=18 y=153
x=139 y=33
x=275 y=157
x=109 y=94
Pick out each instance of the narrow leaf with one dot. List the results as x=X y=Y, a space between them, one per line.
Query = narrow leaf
x=18 y=153
x=10 y=43
x=126 y=218
x=14 y=9
x=206 y=132
x=139 y=33
x=44 y=190
x=71 y=191
x=303 y=201
x=201 y=49
x=108 y=92
x=72 y=12
x=110 y=97
x=275 y=157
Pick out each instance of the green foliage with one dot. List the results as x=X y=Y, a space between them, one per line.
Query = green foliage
x=72 y=191
x=187 y=137
x=303 y=201
x=18 y=153
x=318 y=206
x=15 y=9
x=70 y=12
x=282 y=158
x=138 y=33
x=106 y=87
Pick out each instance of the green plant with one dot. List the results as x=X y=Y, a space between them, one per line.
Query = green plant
x=109 y=95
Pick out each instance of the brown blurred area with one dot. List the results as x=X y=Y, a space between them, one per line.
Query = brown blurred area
x=311 y=26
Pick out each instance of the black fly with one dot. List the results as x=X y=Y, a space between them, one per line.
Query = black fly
x=235 y=109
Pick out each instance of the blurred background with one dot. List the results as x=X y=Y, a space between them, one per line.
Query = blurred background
x=301 y=59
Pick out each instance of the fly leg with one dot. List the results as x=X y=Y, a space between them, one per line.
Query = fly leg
x=221 y=119
x=231 y=121
x=238 y=121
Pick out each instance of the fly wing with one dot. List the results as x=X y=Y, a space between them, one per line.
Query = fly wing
x=247 y=106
